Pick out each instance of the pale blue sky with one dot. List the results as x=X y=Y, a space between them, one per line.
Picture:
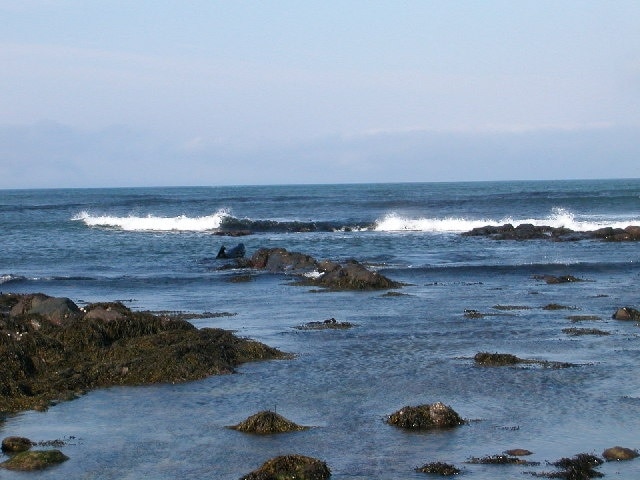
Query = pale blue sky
x=127 y=93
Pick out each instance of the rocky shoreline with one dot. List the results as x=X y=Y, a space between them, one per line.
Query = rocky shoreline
x=527 y=231
x=54 y=350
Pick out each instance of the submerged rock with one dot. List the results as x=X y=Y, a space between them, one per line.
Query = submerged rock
x=500 y=460
x=329 y=324
x=619 y=453
x=428 y=416
x=578 y=467
x=291 y=467
x=16 y=444
x=34 y=460
x=267 y=422
x=44 y=360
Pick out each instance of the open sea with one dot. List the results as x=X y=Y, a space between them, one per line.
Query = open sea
x=155 y=248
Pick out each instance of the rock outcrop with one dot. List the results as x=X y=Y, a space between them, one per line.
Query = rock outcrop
x=48 y=356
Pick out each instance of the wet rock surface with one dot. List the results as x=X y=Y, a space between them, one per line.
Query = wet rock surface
x=626 y=313
x=350 y=275
x=423 y=417
x=267 y=422
x=291 y=467
x=50 y=357
x=488 y=359
x=527 y=231
x=618 y=453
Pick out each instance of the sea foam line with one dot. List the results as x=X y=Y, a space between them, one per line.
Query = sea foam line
x=152 y=223
x=559 y=217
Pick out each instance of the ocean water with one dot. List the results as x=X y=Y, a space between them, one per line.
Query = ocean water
x=155 y=248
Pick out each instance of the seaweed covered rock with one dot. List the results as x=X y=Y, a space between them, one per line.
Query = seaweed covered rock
x=267 y=422
x=488 y=359
x=619 y=453
x=626 y=313
x=34 y=460
x=45 y=361
x=578 y=467
x=439 y=468
x=291 y=467
x=16 y=444
x=328 y=324
x=423 y=417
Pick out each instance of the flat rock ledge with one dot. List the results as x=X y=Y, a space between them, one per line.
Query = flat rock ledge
x=291 y=467
x=527 y=231
x=350 y=275
x=34 y=460
x=53 y=350
x=267 y=422
x=425 y=417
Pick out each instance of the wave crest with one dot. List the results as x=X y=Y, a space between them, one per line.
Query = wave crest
x=559 y=217
x=152 y=223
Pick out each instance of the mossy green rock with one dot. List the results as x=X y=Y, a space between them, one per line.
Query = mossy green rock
x=291 y=467
x=34 y=460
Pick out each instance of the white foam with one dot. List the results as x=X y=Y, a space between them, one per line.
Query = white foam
x=559 y=217
x=152 y=223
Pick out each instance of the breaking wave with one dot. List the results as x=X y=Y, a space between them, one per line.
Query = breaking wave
x=152 y=223
x=559 y=217
x=222 y=220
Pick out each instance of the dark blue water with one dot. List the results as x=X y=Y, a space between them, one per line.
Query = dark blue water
x=154 y=249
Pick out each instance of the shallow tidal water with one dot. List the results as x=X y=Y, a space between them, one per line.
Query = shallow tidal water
x=407 y=349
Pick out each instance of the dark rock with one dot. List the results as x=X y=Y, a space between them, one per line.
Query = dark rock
x=267 y=422
x=281 y=260
x=577 y=468
x=428 y=416
x=291 y=467
x=439 y=468
x=16 y=444
x=54 y=309
x=626 y=313
x=559 y=234
x=499 y=460
x=584 y=331
x=34 y=460
x=552 y=280
x=350 y=276
x=619 y=453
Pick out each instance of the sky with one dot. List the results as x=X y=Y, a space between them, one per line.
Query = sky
x=203 y=92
